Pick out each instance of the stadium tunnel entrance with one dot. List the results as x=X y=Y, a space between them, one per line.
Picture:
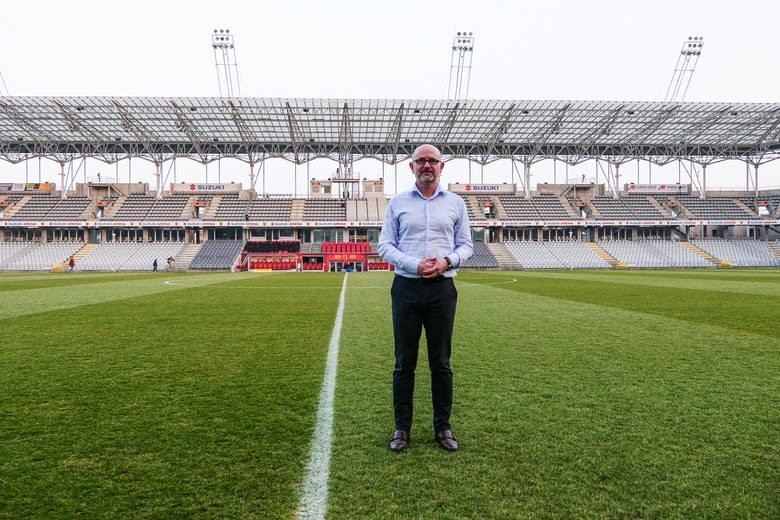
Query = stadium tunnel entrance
x=348 y=266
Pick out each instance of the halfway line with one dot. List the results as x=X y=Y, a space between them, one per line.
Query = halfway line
x=314 y=501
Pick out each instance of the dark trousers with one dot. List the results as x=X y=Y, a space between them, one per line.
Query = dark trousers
x=419 y=303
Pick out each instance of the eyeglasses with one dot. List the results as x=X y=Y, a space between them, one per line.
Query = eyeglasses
x=422 y=160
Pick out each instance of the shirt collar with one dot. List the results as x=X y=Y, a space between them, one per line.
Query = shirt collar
x=439 y=191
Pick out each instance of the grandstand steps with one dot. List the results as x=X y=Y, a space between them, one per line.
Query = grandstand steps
x=354 y=210
x=702 y=253
x=89 y=211
x=665 y=210
x=745 y=207
x=573 y=213
x=500 y=210
x=189 y=209
x=506 y=260
x=82 y=253
x=774 y=248
x=211 y=209
x=296 y=212
x=593 y=212
x=604 y=255
x=114 y=208
x=680 y=233
x=681 y=211
x=476 y=209
x=13 y=210
x=184 y=256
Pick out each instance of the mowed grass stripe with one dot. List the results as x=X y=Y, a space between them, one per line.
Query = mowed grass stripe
x=564 y=409
x=194 y=402
x=731 y=310
x=39 y=280
x=79 y=291
x=757 y=283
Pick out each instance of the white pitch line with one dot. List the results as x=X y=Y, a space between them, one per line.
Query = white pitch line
x=314 y=500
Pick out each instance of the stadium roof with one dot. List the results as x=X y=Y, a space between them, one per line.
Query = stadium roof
x=254 y=129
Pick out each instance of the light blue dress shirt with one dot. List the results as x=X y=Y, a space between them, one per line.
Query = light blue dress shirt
x=415 y=228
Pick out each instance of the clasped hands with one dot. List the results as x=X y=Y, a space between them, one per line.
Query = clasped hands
x=431 y=267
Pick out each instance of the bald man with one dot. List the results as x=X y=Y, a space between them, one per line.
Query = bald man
x=426 y=236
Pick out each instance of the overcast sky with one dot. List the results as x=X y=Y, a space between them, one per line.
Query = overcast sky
x=554 y=49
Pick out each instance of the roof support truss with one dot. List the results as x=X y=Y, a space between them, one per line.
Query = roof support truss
x=254 y=129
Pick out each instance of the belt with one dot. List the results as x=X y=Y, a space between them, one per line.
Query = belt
x=422 y=280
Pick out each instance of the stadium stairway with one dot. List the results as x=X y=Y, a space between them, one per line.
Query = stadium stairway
x=506 y=260
x=682 y=212
x=296 y=212
x=82 y=253
x=774 y=248
x=184 y=257
x=745 y=207
x=13 y=210
x=476 y=209
x=188 y=211
x=211 y=209
x=665 y=210
x=702 y=253
x=571 y=210
x=89 y=211
x=500 y=210
x=602 y=253
x=114 y=208
x=593 y=212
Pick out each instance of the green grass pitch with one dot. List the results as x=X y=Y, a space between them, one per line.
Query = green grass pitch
x=639 y=394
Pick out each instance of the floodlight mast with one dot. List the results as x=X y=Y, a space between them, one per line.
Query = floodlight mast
x=225 y=60
x=460 y=65
x=683 y=70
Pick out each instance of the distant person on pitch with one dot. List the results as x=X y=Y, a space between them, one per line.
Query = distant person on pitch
x=154 y=266
x=71 y=263
x=426 y=236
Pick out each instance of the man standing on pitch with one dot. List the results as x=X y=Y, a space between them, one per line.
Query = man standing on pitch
x=426 y=236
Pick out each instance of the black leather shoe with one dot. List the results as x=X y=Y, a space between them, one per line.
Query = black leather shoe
x=446 y=440
x=400 y=441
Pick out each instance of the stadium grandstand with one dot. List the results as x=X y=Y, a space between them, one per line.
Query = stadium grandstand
x=114 y=226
